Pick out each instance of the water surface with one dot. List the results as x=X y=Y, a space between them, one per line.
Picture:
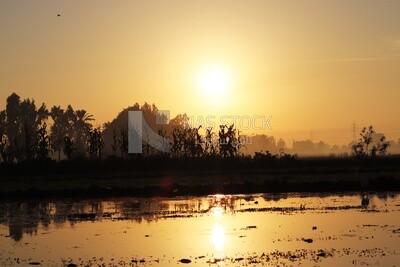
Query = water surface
x=217 y=230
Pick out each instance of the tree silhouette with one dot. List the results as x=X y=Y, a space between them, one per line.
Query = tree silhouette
x=21 y=124
x=192 y=142
x=95 y=144
x=186 y=141
x=30 y=120
x=59 y=129
x=363 y=146
x=197 y=142
x=24 y=136
x=124 y=143
x=228 y=141
x=179 y=124
x=117 y=129
x=69 y=147
x=82 y=127
x=210 y=148
x=43 y=143
x=281 y=144
x=115 y=142
x=177 y=143
x=382 y=146
x=12 y=126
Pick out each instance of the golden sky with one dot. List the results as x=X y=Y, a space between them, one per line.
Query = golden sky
x=312 y=65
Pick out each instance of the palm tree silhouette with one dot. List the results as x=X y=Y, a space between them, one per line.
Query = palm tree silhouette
x=81 y=127
x=30 y=119
x=59 y=129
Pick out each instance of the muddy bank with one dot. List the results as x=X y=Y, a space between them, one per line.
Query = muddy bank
x=166 y=189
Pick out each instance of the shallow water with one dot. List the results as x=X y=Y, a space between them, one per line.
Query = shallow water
x=220 y=230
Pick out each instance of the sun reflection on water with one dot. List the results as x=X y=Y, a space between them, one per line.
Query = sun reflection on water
x=218 y=237
x=218 y=212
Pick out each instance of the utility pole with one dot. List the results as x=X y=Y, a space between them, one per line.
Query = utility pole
x=353 y=128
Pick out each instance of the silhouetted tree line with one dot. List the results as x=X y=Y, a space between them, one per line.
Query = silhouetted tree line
x=26 y=136
x=186 y=141
x=24 y=133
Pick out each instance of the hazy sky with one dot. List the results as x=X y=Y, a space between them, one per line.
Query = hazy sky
x=312 y=65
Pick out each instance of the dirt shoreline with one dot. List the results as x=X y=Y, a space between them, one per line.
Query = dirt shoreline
x=169 y=177
x=166 y=186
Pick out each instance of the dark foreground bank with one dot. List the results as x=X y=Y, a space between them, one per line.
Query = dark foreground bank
x=175 y=189
x=167 y=177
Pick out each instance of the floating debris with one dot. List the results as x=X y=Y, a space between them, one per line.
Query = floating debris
x=249 y=227
x=185 y=261
x=308 y=240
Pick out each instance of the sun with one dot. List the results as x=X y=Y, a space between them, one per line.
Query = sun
x=214 y=81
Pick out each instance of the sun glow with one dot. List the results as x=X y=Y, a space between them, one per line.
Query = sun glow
x=214 y=82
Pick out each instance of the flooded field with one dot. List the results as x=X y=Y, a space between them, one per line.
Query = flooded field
x=217 y=230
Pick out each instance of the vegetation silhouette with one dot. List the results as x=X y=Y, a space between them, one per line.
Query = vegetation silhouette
x=72 y=146
x=366 y=145
x=24 y=136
